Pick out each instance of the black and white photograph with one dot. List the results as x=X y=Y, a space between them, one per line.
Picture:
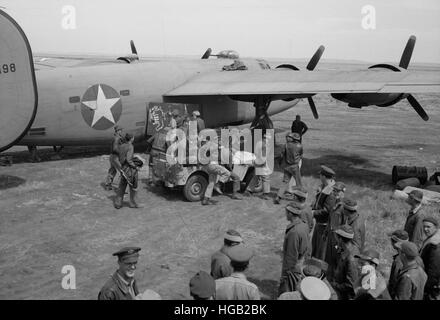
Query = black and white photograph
x=248 y=150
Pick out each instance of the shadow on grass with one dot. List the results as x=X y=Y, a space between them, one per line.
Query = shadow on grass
x=7 y=181
x=349 y=169
x=170 y=194
x=48 y=154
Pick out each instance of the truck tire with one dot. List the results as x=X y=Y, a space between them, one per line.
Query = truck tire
x=195 y=187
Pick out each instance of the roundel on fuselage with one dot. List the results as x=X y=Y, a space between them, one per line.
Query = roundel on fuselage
x=101 y=106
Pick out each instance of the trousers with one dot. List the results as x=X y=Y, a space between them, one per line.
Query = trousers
x=216 y=170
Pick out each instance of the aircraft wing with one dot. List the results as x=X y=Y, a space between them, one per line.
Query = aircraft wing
x=281 y=82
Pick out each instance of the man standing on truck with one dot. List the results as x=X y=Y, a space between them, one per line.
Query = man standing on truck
x=158 y=145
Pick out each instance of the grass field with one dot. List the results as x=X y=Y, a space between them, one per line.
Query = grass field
x=58 y=214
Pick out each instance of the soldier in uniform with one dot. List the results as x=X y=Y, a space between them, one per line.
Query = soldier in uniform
x=202 y=286
x=291 y=157
x=397 y=265
x=200 y=121
x=411 y=280
x=346 y=275
x=352 y=218
x=220 y=262
x=115 y=165
x=295 y=248
x=334 y=222
x=300 y=197
x=262 y=167
x=430 y=254
x=321 y=207
x=129 y=176
x=371 y=289
x=299 y=127
x=122 y=285
x=414 y=220
x=236 y=286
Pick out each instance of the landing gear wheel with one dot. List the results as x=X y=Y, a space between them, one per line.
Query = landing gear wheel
x=195 y=187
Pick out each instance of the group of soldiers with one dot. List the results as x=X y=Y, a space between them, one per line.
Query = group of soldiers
x=324 y=251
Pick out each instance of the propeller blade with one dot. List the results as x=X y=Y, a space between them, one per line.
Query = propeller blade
x=416 y=105
x=407 y=53
x=133 y=47
x=315 y=59
x=313 y=107
x=207 y=54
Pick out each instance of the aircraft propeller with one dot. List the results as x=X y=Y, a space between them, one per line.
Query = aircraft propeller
x=404 y=63
x=133 y=47
x=310 y=66
x=207 y=53
x=130 y=57
x=358 y=100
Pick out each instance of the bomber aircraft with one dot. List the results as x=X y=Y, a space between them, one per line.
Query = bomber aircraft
x=64 y=101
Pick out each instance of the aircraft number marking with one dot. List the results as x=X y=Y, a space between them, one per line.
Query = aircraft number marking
x=6 y=68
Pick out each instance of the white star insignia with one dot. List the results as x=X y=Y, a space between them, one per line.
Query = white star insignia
x=102 y=107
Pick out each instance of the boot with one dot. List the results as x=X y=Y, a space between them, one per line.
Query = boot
x=235 y=196
x=118 y=202
x=208 y=201
x=265 y=196
x=133 y=203
x=119 y=198
x=247 y=193
x=277 y=200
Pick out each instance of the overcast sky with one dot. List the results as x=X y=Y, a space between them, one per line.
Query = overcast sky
x=258 y=28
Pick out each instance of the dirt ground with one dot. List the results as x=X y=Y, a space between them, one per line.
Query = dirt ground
x=56 y=213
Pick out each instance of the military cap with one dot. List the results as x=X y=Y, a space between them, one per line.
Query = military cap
x=296 y=136
x=202 y=285
x=399 y=235
x=295 y=208
x=345 y=231
x=128 y=254
x=416 y=195
x=312 y=271
x=196 y=113
x=350 y=204
x=431 y=219
x=239 y=254
x=233 y=236
x=369 y=255
x=128 y=136
x=150 y=295
x=300 y=192
x=339 y=186
x=321 y=264
x=117 y=128
x=314 y=289
x=327 y=172
x=408 y=248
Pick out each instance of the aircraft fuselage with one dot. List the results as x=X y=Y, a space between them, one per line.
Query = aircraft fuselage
x=62 y=115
